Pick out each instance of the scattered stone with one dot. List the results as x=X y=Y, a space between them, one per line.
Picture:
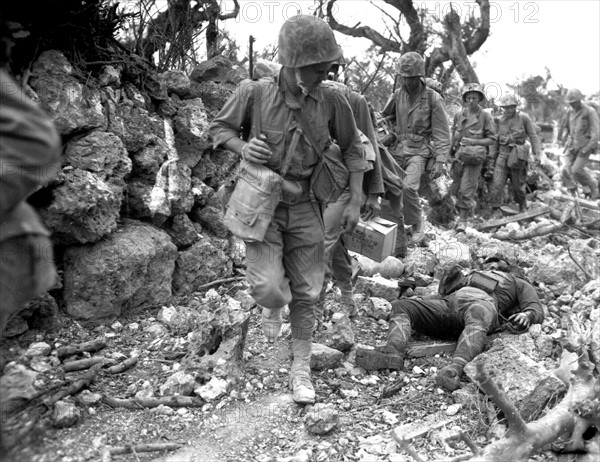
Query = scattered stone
x=321 y=419
x=87 y=398
x=180 y=383
x=215 y=388
x=528 y=384
x=117 y=326
x=378 y=308
x=378 y=286
x=38 y=349
x=323 y=357
x=163 y=410
x=65 y=414
x=342 y=336
x=453 y=409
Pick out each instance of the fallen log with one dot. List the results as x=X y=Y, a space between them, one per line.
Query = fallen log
x=542 y=210
x=93 y=345
x=148 y=403
x=108 y=452
x=520 y=235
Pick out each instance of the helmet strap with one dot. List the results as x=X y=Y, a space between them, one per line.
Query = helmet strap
x=299 y=81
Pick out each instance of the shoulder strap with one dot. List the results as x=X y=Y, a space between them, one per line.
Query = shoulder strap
x=311 y=137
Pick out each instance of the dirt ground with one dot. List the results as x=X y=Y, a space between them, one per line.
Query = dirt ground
x=257 y=421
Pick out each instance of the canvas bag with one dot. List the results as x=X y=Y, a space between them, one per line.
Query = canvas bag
x=255 y=195
x=330 y=175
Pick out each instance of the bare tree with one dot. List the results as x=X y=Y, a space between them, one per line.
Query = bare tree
x=454 y=44
x=172 y=32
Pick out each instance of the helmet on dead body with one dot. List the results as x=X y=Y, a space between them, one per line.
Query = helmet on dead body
x=411 y=64
x=475 y=87
x=508 y=100
x=573 y=95
x=305 y=40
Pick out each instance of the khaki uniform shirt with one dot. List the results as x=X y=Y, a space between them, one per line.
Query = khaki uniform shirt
x=325 y=110
x=582 y=126
x=514 y=131
x=424 y=123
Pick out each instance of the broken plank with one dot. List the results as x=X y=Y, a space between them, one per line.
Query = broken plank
x=419 y=350
x=518 y=217
x=582 y=202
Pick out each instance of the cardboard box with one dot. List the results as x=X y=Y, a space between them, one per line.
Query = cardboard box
x=375 y=239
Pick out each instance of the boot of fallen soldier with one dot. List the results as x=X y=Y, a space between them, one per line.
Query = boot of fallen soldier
x=390 y=355
x=300 y=383
x=448 y=378
x=271 y=323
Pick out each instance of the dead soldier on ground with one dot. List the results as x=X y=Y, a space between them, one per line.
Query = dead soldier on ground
x=287 y=266
x=468 y=307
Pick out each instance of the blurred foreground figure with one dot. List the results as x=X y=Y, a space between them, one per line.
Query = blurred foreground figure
x=29 y=151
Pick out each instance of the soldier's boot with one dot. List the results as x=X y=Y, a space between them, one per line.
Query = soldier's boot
x=418 y=232
x=463 y=219
x=349 y=305
x=390 y=355
x=300 y=383
x=448 y=377
x=401 y=241
x=523 y=207
x=271 y=323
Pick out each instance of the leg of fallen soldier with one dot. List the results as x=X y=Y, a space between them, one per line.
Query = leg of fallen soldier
x=476 y=313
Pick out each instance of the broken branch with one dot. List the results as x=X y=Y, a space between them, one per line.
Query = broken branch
x=140 y=403
x=150 y=447
x=82 y=364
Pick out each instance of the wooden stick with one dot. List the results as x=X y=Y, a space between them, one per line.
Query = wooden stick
x=519 y=216
x=496 y=394
x=123 y=366
x=93 y=345
x=221 y=281
x=108 y=452
x=141 y=403
x=83 y=381
x=588 y=276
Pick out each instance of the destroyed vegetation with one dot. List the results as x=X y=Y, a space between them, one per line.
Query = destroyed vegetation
x=149 y=348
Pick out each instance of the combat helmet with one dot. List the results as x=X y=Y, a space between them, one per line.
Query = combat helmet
x=305 y=40
x=508 y=100
x=477 y=88
x=573 y=95
x=411 y=64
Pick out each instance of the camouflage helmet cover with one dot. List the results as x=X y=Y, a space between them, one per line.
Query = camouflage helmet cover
x=469 y=87
x=573 y=95
x=305 y=40
x=508 y=100
x=411 y=64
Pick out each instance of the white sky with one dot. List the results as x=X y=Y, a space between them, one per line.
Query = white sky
x=525 y=36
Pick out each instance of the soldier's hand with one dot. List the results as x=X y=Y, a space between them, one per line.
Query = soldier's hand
x=371 y=208
x=437 y=171
x=350 y=217
x=521 y=320
x=256 y=150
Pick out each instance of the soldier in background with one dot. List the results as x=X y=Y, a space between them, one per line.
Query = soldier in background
x=581 y=126
x=509 y=155
x=473 y=130
x=423 y=136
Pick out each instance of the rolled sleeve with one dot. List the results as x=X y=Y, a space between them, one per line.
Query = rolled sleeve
x=529 y=301
x=234 y=115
